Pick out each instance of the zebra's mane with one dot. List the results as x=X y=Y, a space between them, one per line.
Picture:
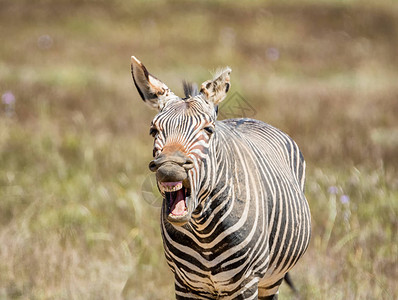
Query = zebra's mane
x=190 y=89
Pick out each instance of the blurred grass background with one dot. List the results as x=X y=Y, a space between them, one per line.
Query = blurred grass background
x=74 y=146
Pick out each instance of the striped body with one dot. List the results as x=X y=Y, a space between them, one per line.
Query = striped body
x=252 y=223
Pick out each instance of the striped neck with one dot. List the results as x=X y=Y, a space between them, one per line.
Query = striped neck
x=215 y=183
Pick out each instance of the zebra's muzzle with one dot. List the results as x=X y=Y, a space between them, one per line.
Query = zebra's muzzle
x=174 y=184
x=177 y=158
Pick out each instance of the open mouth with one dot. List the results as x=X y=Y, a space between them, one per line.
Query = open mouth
x=176 y=194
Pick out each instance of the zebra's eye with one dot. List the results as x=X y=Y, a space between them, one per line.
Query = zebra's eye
x=209 y=129
x=153 y=131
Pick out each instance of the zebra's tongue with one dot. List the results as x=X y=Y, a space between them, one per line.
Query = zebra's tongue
x=178 y=207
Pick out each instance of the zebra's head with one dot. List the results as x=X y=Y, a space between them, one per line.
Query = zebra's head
x=183 y=130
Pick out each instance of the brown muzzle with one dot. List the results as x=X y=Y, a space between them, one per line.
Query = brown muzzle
x=171 y=167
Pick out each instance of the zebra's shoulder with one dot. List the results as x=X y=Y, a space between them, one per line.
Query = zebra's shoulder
x=258 y=131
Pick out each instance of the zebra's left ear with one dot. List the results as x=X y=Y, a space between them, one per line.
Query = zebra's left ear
x=154 y=92
x=215 y=90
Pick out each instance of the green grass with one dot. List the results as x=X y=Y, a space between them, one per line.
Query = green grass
x=74 y=223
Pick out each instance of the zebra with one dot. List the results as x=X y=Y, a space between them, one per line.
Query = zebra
x=234 y=217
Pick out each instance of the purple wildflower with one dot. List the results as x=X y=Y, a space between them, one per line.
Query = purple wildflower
x=333 y=190
x=45 y=42
x=272 y=54
x=345 y=199
x=8 y=98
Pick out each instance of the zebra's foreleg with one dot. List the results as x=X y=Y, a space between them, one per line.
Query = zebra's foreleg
x=185 y=293
x=191 y=296
x=270 y=292
x=245 y=293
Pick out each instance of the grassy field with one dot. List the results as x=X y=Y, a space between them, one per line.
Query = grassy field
x=74 y=148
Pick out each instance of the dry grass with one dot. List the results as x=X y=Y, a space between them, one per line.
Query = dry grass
x=74 y=148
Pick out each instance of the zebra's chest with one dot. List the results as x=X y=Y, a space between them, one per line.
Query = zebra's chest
x=212 y=261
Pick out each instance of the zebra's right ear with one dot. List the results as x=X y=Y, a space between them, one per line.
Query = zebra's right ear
x=215 y=90
x=154 y=92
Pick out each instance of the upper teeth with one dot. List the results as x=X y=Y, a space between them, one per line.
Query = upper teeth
x=166 y=187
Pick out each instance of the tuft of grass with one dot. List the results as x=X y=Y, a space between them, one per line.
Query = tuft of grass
x=354 y=235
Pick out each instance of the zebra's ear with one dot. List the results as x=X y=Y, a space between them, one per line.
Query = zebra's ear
x=215 y=90
x=154 y=92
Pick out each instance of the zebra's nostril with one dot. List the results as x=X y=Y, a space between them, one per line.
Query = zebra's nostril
x=152 y=166
x=188 y=164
